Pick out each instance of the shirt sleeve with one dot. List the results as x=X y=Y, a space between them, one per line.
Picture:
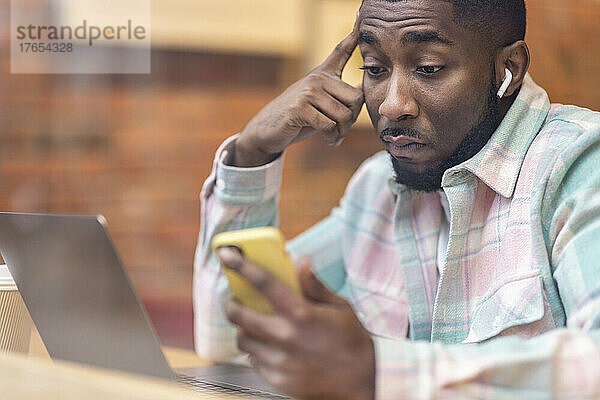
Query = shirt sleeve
x=232 y=198
x=561 y=364
x=239 y=198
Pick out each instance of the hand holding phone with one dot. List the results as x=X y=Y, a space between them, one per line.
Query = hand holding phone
x=265 y=247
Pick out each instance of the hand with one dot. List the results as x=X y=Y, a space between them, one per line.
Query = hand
x=312 y=346
x=319 y=103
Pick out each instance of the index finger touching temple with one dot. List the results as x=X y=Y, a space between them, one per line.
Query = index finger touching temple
x=338 y=59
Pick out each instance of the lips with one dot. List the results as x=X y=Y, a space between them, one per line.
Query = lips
x=403 y=146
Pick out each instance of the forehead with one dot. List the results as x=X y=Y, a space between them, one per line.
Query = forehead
x=391 y=21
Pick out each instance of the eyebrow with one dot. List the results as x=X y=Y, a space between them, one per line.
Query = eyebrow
x=367 y=37
x=413 y=37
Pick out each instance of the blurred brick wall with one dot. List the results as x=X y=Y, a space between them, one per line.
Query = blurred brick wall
x=564 y=38
x=138 y=148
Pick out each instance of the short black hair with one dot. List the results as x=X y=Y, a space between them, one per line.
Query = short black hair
x=500 y=22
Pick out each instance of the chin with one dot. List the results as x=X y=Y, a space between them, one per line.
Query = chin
x=422 y=178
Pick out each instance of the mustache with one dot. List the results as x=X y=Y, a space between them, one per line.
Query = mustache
x=395 y=132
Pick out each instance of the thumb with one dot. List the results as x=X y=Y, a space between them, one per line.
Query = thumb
x=313 y=288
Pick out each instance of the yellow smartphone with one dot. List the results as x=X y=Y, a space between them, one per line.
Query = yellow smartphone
x=265 y=247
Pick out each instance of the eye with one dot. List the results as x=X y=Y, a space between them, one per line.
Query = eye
x=373 y=71
x=429 y=69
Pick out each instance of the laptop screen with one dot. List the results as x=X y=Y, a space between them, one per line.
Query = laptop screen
x=78 y=294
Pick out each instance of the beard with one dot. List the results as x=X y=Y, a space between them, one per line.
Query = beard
x=430 y=179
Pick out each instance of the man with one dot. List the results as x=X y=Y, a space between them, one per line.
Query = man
x=465 y=267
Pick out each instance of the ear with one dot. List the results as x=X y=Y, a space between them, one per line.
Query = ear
x=516 y=58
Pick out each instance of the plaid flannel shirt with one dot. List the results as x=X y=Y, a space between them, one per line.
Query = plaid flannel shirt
x=516 y=310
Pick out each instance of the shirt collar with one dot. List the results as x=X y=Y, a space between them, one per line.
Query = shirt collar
x=499 y=162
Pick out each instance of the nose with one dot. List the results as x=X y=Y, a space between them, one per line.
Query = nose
x=399 y=104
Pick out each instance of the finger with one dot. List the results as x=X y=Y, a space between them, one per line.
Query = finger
x=313 y=288
x=253 y=323
x=268 y=328
x=338 y=59
x=343 y=116
x=319 y=121
x=332 y=133
x=332 y=108
x=356 y=107
x=334 y=138
x=263 y=353
x=281 y=297
x=346 y=94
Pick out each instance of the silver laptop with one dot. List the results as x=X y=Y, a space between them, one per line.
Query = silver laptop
x=83 y=303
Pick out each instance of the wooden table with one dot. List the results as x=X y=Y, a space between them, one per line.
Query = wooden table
x=25 y=377
x=182 y=358
x=36 y=376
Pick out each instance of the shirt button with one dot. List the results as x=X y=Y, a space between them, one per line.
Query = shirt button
x=221 y=184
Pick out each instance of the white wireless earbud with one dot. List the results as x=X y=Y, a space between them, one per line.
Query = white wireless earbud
x=505 y=83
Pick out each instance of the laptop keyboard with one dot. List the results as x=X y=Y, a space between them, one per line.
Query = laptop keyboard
x=203 y=386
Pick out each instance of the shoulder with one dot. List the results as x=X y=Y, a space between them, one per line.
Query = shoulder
x=569 y=136
x=584 y=118
x=576 y=129
x=569 y=155
x=568 y=124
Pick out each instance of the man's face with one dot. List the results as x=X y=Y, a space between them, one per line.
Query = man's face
x=429 y=87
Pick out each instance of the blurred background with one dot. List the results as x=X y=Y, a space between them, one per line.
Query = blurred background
x=137 y=148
